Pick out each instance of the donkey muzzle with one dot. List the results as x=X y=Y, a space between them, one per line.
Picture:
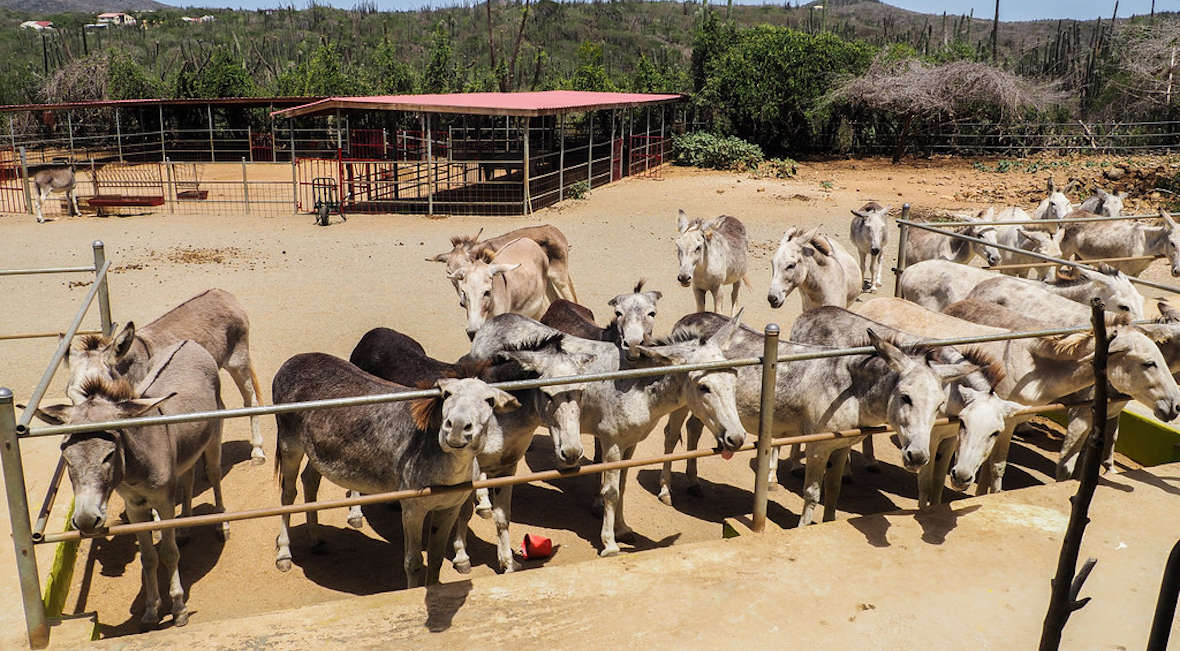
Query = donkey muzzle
x=875 y=250
x=684 y=280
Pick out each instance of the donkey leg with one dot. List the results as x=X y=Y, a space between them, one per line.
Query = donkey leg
x=671 y=438
x=213 y=472
x=866 y=449
x=184 y=489
x=866 y=278
x=833 y=480
x=992 y=481
x=356 y=516
x=699 y=295
x=716 y=293
x=149 y=561
x=442 y=522
x=462 y=562
x=311 y=488
x=812 y=483
x=170 y=557
x=502 y=515
x=733 y=297
x=289 y=460
x=695 y=427
x=877 y=271
x=242 y=371
x=794 y=460
x=413 y=517
x=483 y=506
x=1080 y=422
x=610 y=498
x=622 y=531
x=38 y=199
x=942 y=465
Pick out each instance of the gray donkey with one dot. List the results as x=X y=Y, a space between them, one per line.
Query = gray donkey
x=549 y=238
x=711 y=255
x=56 y=179
x=149 y=465
x=383 y=447
x=623 y=412
x=213 y=319
x=901 y=387
x=870 y=235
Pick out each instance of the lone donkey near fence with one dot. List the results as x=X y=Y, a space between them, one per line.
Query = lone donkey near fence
x=55 y=179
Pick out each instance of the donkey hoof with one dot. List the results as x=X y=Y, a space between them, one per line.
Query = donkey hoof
x=149 y=621
x=665 y=496
x=257 y=457
x=462 y=567
x=695 y=490
x=222 y=532
x=356 y=521
x=626 y=535
x=283 y=564
x=180 y=618
x=484 y=511
x=510 y=566
x=609 y=550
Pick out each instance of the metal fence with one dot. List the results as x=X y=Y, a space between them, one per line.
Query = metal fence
x=14 y=430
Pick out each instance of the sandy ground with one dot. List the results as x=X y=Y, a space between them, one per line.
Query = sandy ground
x=313 y=289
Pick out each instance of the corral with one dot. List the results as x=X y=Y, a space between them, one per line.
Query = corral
x=293 y=310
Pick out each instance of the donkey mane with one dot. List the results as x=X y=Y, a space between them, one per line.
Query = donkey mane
x=463 y=240
x=113 y=390
x=427 y=413
x=991 y=367
x=92 y=342
x=680 y=335
x=871 y=206
x=539 y=342
x=1067 y=345
x=639 y=286
x=821 y=244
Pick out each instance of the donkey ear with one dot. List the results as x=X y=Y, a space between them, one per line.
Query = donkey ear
x=1168 y=313
x=1167 y=218
x=681 y=221
x=55 y=414
x=458 y=274
x=891 y=354
x=442 y=257
x=140 y=406
x=724 y=336
x=527 y=359
x=860 y=213
x=653 y=295
x=124 y=339
x=654 y=354
x=951 y=372
x=503 y=402
x=501 y=268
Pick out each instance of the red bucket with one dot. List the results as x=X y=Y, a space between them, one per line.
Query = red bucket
x=536 y=547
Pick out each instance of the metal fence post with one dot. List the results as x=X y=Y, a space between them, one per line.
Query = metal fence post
x=170 y=191
x=212 y=151
x=294 y=181
x=104 y=295
x=561 y=160
x=118 y=134
x=250 y=141
x=429 y=164
x=765 y=424
x=24 y=176
x=70 y=132
x=22 y=533
x=903 y=237
x=528 y=199
x=163 y=148
x=245 y=187
x=590 y=152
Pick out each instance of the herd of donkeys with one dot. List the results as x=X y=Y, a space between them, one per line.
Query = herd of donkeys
x=524 y=322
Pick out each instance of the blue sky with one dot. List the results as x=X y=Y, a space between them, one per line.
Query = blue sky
x=1009 y=10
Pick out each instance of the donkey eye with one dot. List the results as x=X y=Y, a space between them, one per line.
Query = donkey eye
x=790 y=266
x=1124 y=308
x=651 y=314
x=109 y=458
x=619 y=314
x=905 y=400
x=1148 y=364
x=996 y=434
x=491 y=402
x=703 y=388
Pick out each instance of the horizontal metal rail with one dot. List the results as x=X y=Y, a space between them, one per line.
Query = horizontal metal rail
x=1031 y=222
x=46 y=270
x=355 y=401
x=544 y=475
x=46 y=335
x=63 y=347
x=1031 y=265
x=1039 y=256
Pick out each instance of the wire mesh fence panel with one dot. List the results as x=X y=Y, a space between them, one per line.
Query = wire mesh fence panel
x=12 y=190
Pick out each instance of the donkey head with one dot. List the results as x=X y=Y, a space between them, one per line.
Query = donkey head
x=1039 y=242
x=690 y=247
x=475 y=280
x=983 y=418
x=1172 y=242
x=469 y=408
x=635 y=318
x=558 y=406
x=1115 y=289
x=95 y=460
x=788 y=268
x=916 y=397
x=101 y=359
x=711 y=394
x=1136 y=367
x=870 y=221
x=1109 y=205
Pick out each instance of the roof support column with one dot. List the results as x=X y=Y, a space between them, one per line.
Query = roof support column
x=614 y=114
x=561 y=158
x=163 y=149
x=590 y=152
x=528 y=197
x=425 y=118
x=118 y=134
x=209 y=114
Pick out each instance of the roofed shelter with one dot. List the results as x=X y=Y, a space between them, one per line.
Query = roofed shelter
x=482 y=153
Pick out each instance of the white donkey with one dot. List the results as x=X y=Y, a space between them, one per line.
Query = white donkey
x=513 y=279
x=823 y=271
x=926 y=245
x=1029 y=240
x=1054 y=206
x=711 y=255
x=1089 y=240
x=870 y=235
x=57 y=179
x=1104 y=203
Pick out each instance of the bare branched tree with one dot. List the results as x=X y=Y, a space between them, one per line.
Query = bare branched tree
x=1145 y=70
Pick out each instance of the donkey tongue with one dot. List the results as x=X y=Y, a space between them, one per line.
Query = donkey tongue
x=727 y=454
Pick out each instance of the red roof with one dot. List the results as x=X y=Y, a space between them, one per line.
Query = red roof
x=548 y=102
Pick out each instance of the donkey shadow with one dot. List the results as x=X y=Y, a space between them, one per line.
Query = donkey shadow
x=715 y=502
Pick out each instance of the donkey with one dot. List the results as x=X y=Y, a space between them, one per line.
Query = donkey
x=1055 y=206
x=1039 y=372
x=896 y=386
x=393 y=356
x=511 y=279
x=869 y=234
x=148 y=466
x=1029 y=240
x=54 y=179
x=823 y=271
x=1086 y=240
x=551 y=240
x=213 y=319
x=622 y=413
x=927 y=245
x=711 y=255
x=1103 y=203
x=970 y=398
x=935 y=284
x=634 y=320
x=383 y=447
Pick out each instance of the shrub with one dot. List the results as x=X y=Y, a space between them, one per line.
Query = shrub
x=779 y=168
x=579 y=190
x=703 y=149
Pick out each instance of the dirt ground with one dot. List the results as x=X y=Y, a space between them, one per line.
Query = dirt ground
x=308 y=288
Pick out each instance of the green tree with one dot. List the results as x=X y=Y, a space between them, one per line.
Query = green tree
x=126 y=79
x=389 y=74
x=591 y=71
x=711 y=38
x=222 y=76
x=320 y=75
x=441 y=73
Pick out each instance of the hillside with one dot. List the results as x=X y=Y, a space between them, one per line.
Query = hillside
x=48 y=7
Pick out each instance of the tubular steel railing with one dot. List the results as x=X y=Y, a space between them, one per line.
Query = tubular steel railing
x=12 y=431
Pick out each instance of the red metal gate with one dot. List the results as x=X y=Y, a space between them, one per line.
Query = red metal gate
x=262 y=147
x=367 y=143
x=616 y=163
x=12 y=188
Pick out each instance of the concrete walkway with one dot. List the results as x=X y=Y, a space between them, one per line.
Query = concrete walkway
x=971 y=576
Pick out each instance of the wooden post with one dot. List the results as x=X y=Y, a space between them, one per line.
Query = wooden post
x=561 y=160
x=212 y=151
x=614 y=115
x=429 y=165
x=528 y=199
x=163 y=149
x=118 y=135
x=590 y=153
x=250 y=141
